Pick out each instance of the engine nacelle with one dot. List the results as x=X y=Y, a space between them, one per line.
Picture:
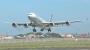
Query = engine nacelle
x=26 y=25
x=51 y=24
x=14 y=24
x=67 y=23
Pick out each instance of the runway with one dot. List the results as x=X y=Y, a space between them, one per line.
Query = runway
x=51 y=49
x=42 y=39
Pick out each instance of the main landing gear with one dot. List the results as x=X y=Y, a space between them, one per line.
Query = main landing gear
x=42 y=30
x=49 y=30
x=34 y=30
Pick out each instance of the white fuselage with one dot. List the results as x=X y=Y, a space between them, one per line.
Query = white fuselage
x=37 y=21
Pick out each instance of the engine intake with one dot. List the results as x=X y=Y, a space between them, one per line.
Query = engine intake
x=67 y=23
x=26 y=25
x=14 y=24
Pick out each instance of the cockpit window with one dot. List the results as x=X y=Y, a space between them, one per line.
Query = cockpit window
x=30 y=14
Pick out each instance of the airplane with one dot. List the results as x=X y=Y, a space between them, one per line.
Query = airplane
x=39 y=22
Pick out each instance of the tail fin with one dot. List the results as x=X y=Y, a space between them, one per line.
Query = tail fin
x=51 y=18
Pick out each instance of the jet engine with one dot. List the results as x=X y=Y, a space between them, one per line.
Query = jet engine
x=51 y=24
x=67 y=23
x=26 y=25
x=14 y=24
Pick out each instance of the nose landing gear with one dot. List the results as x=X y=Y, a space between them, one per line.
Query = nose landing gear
x=34 y=30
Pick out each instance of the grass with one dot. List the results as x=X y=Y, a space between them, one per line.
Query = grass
x=46 y=44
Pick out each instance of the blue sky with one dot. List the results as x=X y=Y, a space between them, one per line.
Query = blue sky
x=63 y=10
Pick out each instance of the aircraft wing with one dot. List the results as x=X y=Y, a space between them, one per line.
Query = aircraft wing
x=47 y=24
x=26 y=24
x=66 y=22
x=60 y=23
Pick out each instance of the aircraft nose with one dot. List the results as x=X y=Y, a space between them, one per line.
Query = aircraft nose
x=32 y=15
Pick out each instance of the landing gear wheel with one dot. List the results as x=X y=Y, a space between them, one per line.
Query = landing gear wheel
x=41 y=29
x=49 y=30
x=34 y=30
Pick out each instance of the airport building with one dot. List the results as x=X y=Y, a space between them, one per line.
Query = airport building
x=83 y=35
x=2 y=36
x=67 y=36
